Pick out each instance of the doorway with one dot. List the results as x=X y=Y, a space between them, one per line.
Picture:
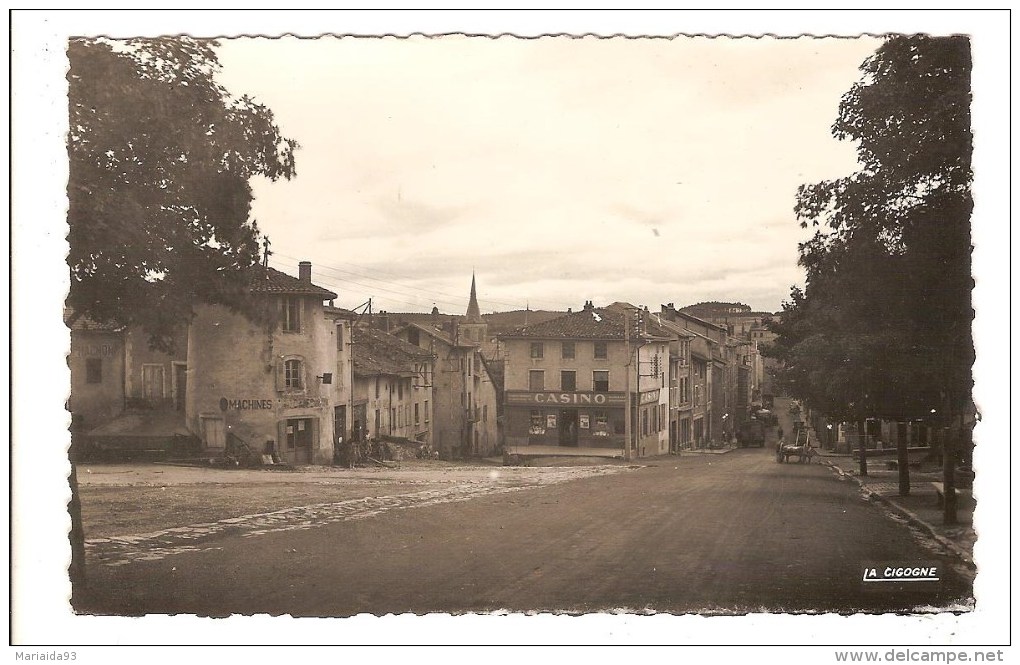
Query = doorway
x=568 y=428
x=298 y=446
x=180 y=385
x=214 y=433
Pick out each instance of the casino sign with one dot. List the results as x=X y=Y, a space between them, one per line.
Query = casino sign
x=524 y=398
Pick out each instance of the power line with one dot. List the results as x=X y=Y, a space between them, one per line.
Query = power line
x=337 y=284
x=432 y=294
x=458 y=303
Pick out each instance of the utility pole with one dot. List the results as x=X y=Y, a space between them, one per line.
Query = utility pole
x=626 y=388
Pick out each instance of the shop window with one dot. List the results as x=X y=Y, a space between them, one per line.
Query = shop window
x=600 y=380
x=568 y=351
x=93 y=370
x=292 y=315
x=601 y=351
x=536 y=380
x=537 y=422
x=568 y=380
x=600 y=424
x=537 y=350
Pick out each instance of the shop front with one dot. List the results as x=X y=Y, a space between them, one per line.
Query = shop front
x=568 y=419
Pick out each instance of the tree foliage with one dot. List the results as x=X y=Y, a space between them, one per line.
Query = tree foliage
x=883 y=325
x=159 y=197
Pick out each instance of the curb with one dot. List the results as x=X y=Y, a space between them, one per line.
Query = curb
x=910 y=517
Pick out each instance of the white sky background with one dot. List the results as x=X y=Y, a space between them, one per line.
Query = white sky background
x=560 y=170
x=39 y=340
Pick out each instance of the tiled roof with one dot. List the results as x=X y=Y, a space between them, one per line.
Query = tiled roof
x=660 y=326
x=271 y=280
x=76 y=321
x=595 y=323
x=376 y=352
x=339 y=313
x=441 y=335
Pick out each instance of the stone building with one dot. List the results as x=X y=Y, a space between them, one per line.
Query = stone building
x=126 y=399
x=97 y=363
x=267 y=384
x=568 y=382
x=465 y=414
x=392 y=387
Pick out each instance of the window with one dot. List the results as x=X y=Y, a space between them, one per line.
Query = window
x=393 y=418
x=537 y=350
x=93 y=370
x=600 y=380
x=400 y=390
x=340 y=337
x=568 y=351
x=568 y=380
x=413 y=336
x=292 y=375
x=536 y=380
x=417 y=415
x=601 y=351
x=377 y=380
x=485 y=413
x=644 y=422
x=292 y=315
x=662 y=417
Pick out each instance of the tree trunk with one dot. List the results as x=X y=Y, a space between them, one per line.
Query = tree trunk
x=903 y=465
x=76 y=571
x=949 y=477
x=863 y=443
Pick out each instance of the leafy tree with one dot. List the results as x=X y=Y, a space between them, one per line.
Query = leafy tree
x=159 y=198
x=883 y=326
x=895 y=254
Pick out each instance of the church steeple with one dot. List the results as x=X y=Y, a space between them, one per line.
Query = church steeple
x=474 y=315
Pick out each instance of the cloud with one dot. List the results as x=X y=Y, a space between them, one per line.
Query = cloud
x=640 y=169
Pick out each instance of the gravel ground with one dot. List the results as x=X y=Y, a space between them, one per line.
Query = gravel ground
x=124 y=499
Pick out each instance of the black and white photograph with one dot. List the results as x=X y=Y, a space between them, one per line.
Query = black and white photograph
x=353 y=328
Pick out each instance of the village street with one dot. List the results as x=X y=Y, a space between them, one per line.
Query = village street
x=700 y=532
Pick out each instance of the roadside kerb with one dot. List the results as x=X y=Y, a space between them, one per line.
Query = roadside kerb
x=906 y=514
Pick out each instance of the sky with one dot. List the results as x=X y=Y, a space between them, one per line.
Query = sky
x=557 y=170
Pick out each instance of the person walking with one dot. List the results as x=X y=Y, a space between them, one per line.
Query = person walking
x=779 y=448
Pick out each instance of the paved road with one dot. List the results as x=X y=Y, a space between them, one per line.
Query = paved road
x=698 y=533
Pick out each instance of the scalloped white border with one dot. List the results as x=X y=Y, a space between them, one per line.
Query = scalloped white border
x=39 y=492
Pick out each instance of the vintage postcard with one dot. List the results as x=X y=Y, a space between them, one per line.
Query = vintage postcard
x=497 y=329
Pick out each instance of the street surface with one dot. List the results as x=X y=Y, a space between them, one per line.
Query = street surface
x=727 y=533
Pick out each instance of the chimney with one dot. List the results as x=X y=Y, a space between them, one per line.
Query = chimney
x=305 y=272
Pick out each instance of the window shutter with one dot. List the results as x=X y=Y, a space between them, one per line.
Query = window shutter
x=281 y=437
x=281 y=379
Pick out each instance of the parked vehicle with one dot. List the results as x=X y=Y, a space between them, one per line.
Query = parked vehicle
x=751 y=433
